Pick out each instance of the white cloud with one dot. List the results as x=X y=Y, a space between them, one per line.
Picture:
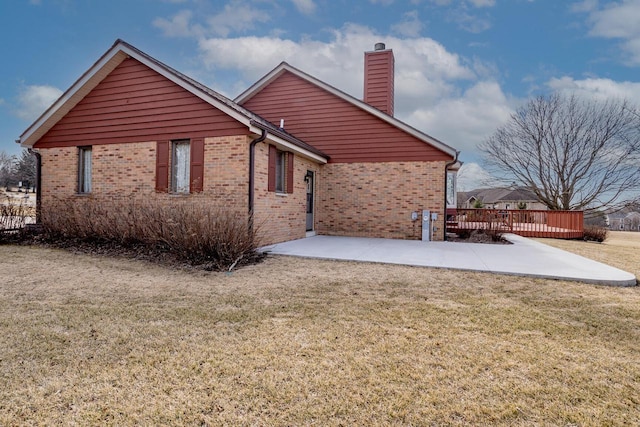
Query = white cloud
x=410 y=26
x=472 y=176
x=616 y=21
x=598 y=88
x=179 y=25
x=474 y=3
x=427 y=78
x=465 y=121
x=469 y=22
x=425 y=70
x=584 y=6
x=306 y=7
x=34 y=100
x=236 y=16
x=483 y=3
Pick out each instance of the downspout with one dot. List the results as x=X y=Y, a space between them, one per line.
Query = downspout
x=38 y=183
x=446 y=169
x=252 y=161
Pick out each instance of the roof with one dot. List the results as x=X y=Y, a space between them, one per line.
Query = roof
x=122 y=50
x=493 y=195
x=624 y=215
x=284 y=67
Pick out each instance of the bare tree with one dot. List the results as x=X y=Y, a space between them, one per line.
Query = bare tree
x=6 y=168
x=572 y=153
x=24 y=169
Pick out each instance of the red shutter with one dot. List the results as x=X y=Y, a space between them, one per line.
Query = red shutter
x=289 y=173
x=162 y=166
x=271 y=182
x=196 y=173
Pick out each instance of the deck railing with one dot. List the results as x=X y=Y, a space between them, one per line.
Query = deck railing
x=524 y=222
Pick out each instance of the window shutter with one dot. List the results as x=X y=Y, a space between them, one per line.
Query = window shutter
x=273 y=153
x=197 y=165
x=162 y=166
x=290 y=173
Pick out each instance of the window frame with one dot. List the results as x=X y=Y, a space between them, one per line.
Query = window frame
x=85 y=169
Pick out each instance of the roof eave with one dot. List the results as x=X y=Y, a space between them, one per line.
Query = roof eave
x=291 y=143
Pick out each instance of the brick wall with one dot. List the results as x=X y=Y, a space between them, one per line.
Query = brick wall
x=353 y=199
x=226 y=172
x=281 y=217
x=376 y=199
x=125 y=170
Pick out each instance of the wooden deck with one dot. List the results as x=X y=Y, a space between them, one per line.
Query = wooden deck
x=524 y=222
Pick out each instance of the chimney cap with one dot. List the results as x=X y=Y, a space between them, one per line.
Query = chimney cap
x=380 y=46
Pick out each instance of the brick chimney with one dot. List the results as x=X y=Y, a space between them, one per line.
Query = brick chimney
x=378 y=78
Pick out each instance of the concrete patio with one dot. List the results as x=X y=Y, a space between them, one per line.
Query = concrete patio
x=524 y=257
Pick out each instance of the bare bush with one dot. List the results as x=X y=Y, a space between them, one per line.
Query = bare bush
x=595 y=233
x=13 y=217
x=192 y=229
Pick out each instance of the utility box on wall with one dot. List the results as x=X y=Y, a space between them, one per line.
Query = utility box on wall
x=426 y=225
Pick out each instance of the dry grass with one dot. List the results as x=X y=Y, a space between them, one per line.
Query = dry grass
x=95 y=340
x=621 y=250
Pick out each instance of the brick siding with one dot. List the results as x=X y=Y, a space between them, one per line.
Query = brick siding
x=351 y=199
x=281 y=217
x=376 y=199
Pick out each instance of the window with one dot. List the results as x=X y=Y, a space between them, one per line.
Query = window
x=280 y=171
x=180 y=166
x=84 y=170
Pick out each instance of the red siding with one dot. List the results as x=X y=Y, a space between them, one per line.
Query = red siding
x=134 y=103
x=378 y=80
x=345 y=132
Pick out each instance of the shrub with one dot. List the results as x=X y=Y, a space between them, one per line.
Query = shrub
x=13 y=217
x=480 y=235
x=192 y=229
x=595 y=233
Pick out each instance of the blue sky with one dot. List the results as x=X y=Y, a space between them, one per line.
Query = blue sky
x=462 y=66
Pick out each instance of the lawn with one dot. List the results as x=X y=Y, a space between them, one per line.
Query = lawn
x=98 y=340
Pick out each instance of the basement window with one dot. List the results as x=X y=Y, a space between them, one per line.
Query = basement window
x=84 y=170
x=180 y=165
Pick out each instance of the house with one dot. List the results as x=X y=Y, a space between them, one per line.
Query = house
x=296 y=154
x=500 y=198
x=623 y=221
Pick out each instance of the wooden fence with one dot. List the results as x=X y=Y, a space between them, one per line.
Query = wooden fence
x=524 y=222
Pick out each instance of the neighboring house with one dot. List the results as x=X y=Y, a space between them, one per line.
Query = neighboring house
x=132 y=125
x=623 y=221
x=500 y=198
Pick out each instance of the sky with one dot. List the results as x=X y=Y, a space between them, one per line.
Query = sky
x=462 y=67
